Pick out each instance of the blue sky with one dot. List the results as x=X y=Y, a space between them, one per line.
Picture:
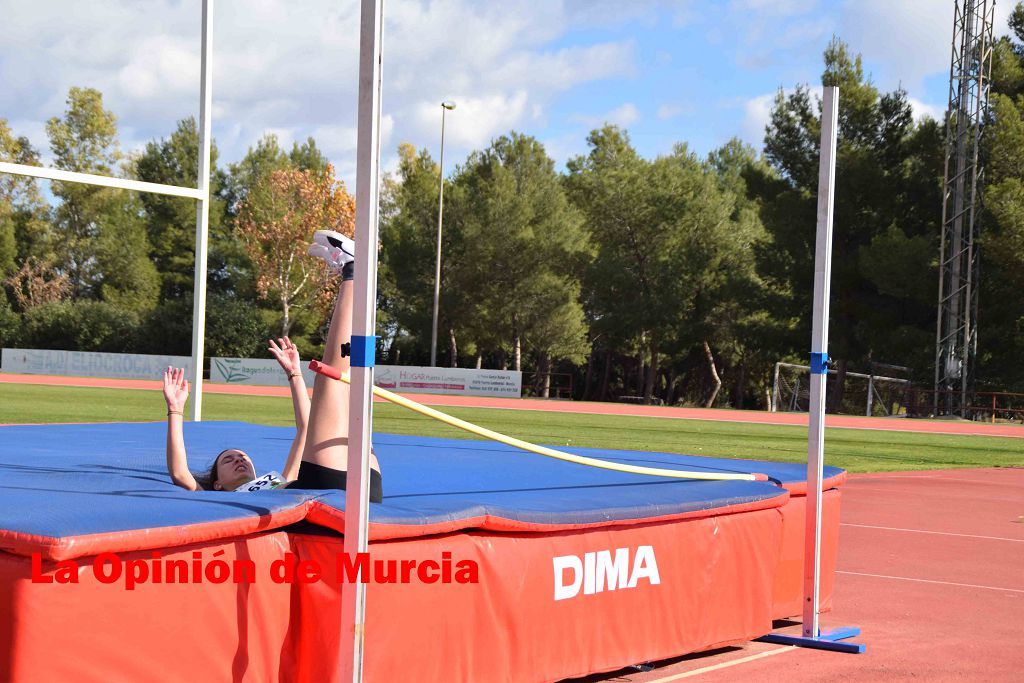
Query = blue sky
x=682 y=71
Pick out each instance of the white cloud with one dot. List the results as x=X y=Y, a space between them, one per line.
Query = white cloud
x=922 y=110
x=35 y=131
x=670 y=111
x=475 y=120
x=285 y=136
x=565 y=68
x=778 y=7
x=902 y=34
x=561 y=148
x=624 y=115
x=508 y=65
x=769 y=41
x=765 y=34
x=904 y=44
x=912 y=38
x=756 y=114
x=158 y=66
x=602 y=13
x=337 y=139
x=295 y=72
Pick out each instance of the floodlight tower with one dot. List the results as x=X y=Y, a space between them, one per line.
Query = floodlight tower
x=956 y=338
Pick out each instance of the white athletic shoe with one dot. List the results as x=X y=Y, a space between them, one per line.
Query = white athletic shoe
x=330 y=238
x=334 y=248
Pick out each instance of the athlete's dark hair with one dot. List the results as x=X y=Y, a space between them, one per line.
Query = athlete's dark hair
x=208 y=479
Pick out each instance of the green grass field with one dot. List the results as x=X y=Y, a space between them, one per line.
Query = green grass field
x=856 y=450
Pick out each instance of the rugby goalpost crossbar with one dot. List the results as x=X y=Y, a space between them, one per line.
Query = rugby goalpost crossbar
x=813 y=636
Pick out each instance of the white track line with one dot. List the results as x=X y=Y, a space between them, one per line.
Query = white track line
x=723 y=665
x=978 y=481
x=900 y=475
x=858 y=487
x=945 y=583
x=937 y=533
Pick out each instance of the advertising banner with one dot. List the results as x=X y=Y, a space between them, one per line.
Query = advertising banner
x=90 y=364
x=456 y=381
x=399 y=378
x=261 y=371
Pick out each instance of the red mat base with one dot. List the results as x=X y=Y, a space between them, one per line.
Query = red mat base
x=700 y=583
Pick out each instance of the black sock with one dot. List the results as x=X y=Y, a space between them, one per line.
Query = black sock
x=348 y=271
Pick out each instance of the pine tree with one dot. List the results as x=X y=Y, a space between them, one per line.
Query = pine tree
x=100 y=236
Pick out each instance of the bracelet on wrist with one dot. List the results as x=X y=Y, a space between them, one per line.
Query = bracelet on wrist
x=294 y=374
x=174 y=412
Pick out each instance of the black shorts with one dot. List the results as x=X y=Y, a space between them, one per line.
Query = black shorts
x=318 y=477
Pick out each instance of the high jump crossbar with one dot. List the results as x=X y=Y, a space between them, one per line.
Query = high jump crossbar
x=427 y=411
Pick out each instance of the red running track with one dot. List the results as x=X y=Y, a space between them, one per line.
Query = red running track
x=930 y=567
x=587 y=407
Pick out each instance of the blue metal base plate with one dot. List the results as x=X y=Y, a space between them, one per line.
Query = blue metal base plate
x=826 y=640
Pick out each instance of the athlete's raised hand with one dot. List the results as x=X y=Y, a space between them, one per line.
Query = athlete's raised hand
x=175 y=388
x=286 y=353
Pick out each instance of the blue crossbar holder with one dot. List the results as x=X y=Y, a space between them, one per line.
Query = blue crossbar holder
x=819 y=363
x=830 y=639
x=364 y=350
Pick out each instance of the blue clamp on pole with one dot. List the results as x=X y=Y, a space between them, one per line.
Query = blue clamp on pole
x=364 y=351
x=820 y=363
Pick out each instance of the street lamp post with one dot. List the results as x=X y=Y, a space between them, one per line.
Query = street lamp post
x=446 y=105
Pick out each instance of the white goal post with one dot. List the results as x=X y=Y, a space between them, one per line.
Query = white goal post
x=201 y=194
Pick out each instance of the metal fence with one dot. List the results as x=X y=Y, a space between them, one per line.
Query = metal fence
x=548 y=385
x=990 y=406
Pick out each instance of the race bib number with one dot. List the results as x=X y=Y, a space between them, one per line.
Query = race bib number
x=270 y=480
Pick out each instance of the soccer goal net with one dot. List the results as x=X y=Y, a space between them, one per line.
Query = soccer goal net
x=871 y=394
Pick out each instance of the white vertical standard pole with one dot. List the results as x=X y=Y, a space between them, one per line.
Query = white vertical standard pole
x=819 y=361
x=202 y=211
x=353 y=595
x=871 y=390
x=437 y=262
x=774 y=407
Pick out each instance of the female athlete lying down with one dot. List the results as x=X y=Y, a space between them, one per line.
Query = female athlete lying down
x=319 y=454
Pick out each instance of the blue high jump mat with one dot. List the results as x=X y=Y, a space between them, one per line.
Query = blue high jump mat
x=71 y=489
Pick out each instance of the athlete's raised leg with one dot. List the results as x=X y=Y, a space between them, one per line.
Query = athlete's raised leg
x=327 y=438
